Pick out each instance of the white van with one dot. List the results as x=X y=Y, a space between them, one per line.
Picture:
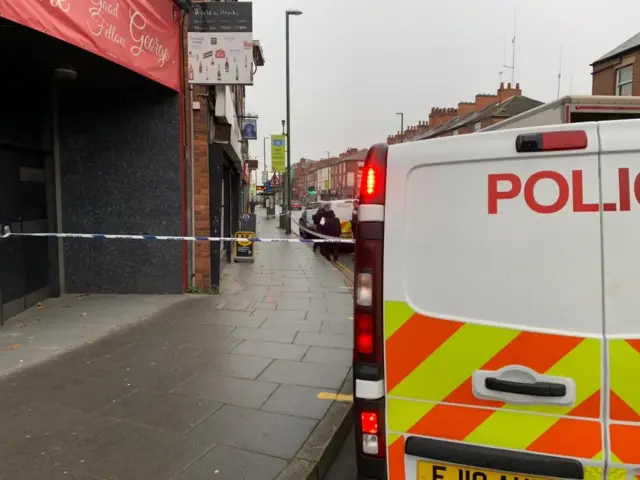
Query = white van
x=497 y=313
x=343 y=210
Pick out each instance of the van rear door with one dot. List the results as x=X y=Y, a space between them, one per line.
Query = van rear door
x=621 y=189
x=493 y=306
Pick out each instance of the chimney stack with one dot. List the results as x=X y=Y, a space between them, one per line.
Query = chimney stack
x=483 y=100
x=505 y=93
x=466 y=108
x=438 y=116
x=423 y=126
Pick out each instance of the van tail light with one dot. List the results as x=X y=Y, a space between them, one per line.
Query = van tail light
x=372 y=188
x=370 y=185
x=364 y=289
x=369 y=429
x=364 y=338
x=368 y=338
x=367 y=299
x=369 y=422
x=552 y=141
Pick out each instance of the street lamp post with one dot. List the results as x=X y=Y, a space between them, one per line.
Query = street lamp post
x=283 y=178
x=264 y=153
x=401 y=124
x=288 y=14
x=264 y=175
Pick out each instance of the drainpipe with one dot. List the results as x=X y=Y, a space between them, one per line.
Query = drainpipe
x=59 y=75
x=191 y=196
x=189 y=156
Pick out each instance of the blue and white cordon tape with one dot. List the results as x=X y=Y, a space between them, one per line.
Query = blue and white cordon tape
x=7 y=233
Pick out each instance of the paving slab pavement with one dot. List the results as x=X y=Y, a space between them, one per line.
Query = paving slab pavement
x=222 y=386
x=59 y=325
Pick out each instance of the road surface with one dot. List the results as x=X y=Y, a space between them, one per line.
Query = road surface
x=344 y=466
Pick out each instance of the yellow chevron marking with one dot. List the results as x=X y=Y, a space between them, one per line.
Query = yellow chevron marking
x=404 y=414
x=523 y=430
x=625 y=365
x=593 y=473
x=617 y=474
x=583 y=364
x=455 y=361
x=396 y=314
x=392 y=437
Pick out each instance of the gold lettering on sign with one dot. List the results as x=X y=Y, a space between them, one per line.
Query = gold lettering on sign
x=143 y=42
x=63 y=5
x=98 y=24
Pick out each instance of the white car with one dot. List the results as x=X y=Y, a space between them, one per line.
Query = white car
x=343 y=210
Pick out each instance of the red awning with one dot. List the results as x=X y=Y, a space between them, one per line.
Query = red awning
x=131 y=33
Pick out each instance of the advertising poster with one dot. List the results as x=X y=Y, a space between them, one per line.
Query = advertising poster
x=220 y=43
x=278 y=153
x=249 y=128
x=243 y=249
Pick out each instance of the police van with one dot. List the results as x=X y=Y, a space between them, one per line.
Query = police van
x=497 y=312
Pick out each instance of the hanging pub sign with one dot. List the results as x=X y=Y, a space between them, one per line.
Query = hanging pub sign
x=249 y=128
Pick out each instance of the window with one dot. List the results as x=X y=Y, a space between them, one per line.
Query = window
x=455 y=132
x=477 y=126
x=624 y=76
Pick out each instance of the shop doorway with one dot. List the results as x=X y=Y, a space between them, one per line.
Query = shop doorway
x=86 y=146
x=25 y=266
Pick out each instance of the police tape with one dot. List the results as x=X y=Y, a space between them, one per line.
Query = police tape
x=320 y=235
x=7 y=233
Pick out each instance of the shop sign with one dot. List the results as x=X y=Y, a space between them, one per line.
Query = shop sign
x=220 y=43
x=139 y=35
x=278 y=152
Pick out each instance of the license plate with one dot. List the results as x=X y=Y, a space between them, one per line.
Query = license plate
x=442 y=471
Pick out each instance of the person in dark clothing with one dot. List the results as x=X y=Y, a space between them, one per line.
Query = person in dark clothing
x=318 y=221
x=354 y=222
x=331 y=228
x=354 y=219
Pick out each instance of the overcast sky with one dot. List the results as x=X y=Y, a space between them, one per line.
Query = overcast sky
x=355 y=63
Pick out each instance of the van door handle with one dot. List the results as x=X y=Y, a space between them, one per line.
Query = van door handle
x=536 y=389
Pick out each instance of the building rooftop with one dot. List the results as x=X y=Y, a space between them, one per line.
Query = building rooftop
x=509 y=108
x=630 y=44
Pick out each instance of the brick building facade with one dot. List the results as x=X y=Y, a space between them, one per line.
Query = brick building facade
x=618 y=71
x=468 y=117
x=215 y=172
x=346 y=172
x=330 y=178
